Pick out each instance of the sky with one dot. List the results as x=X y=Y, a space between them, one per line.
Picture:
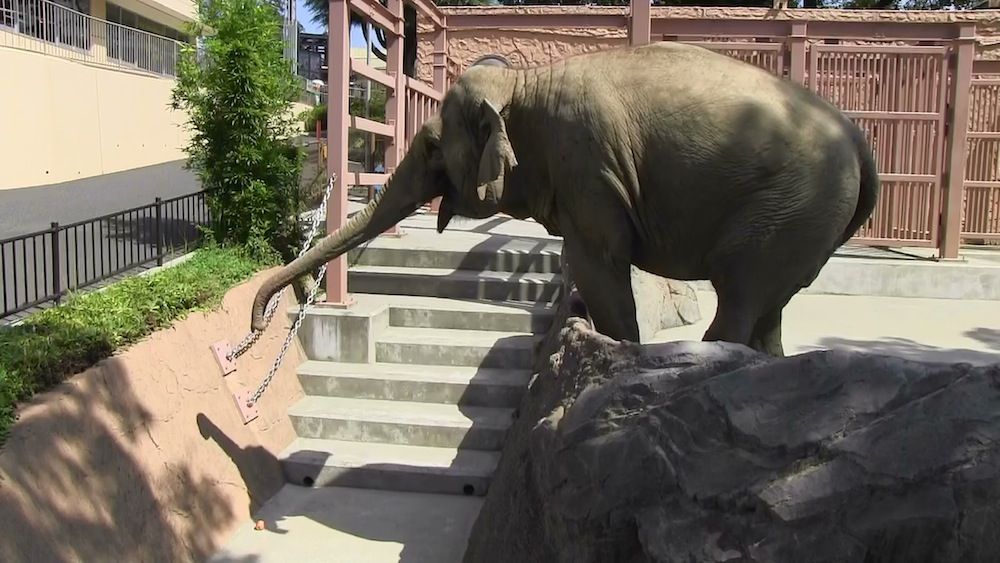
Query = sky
x=305 y=18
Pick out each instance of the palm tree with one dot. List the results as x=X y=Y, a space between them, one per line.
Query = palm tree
x=321 y=16
x=320 y=10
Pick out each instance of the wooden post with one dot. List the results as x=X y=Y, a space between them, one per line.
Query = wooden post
x=395 y=104
x=797 y=52
x=639 y=22
x=953 y=180
x=337 y=122
x=440 y=78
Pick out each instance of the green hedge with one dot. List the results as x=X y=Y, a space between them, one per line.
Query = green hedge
x=56 y=343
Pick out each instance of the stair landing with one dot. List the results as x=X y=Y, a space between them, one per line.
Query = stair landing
x=400 y=431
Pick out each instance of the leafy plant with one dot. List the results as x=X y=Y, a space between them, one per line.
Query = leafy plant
x=237 y=88
x=54 y=344
x=356 y=106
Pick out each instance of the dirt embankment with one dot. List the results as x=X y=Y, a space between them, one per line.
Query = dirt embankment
x=144 y=457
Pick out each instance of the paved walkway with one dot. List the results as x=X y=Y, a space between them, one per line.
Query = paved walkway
x=337 y=524
x=355 y=525
x=936 y=330
x=26 y=210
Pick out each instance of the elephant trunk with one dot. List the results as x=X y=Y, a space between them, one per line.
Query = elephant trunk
x=387 y=208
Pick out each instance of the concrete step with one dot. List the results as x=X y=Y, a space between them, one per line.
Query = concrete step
x=496 y=253
x=445 y=347
x=415 y=383
x=400 y=422
x=420 y=469
x=435 y=312
x=456 y=284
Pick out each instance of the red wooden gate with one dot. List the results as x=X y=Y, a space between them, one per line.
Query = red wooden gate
x=981 y=209
x=897 y=95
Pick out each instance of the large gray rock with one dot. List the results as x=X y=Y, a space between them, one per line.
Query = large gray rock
x=662 y=303
x=695 y=451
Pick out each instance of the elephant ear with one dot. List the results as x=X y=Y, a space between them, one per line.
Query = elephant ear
x=498 y=156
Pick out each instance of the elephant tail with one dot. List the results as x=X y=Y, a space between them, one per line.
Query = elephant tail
x=868 y=192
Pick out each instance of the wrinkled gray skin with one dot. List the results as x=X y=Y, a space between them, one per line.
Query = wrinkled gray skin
x=687 y=163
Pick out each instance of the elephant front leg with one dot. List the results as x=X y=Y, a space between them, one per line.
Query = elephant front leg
x=606 y=288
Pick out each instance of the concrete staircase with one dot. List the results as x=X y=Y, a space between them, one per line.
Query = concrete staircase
x=422 y=401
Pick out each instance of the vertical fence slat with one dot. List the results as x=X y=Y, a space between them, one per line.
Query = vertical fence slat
x=43 y=266
x=56 y=274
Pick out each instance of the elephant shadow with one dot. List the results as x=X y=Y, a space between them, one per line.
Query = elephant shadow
x=365 y=510
x=422 y=527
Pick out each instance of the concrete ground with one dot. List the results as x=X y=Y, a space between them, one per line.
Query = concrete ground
x=340 y=524
x=355 y=525
x=26 y=210
x=937 y=330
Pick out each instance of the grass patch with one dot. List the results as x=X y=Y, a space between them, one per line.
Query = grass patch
x=56 y=343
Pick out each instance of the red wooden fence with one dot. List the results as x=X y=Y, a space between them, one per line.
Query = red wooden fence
x=981 y=209
x=905 y=89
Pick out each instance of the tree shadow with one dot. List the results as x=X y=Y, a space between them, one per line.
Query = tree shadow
x=142 y=230
x=424 y=517
x=72 y=488
x=258 y=467
x=389 y=502
x=911 y=350
x=988 y=336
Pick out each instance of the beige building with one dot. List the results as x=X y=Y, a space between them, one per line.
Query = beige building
x=85 y=87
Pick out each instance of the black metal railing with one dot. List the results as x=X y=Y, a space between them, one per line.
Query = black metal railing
x=43 y=266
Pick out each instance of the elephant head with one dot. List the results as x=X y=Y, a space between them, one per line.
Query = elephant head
x=462 y=156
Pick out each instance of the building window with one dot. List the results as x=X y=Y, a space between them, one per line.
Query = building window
x=61 y=21
x=157 y=54
x=128 y=18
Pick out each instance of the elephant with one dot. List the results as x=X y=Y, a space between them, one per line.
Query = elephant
x=681 y=161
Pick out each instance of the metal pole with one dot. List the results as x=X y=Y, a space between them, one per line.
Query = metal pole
x=369 y=138
x=958 y=119
x=56 y=274
x=338 y=91
x=158 y=231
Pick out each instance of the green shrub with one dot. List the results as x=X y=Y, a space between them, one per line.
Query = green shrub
x=56 y=343
x=311 y=116
x=238 y=92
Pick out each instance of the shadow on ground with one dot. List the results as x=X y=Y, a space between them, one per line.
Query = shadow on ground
x=56 y=507
x=910 y=350
x=987 y=336
x=422 y=526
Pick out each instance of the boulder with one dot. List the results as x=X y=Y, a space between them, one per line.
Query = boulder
x=662 y=303
x=696 y=451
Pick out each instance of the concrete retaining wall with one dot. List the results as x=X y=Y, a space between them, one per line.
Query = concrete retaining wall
x=542 y=45
x=144 y=457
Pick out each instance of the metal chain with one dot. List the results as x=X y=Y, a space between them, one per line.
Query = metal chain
x=251 y=338
x=288 y=339
x=310 y=299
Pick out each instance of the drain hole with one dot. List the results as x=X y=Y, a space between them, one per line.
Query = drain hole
x=468 y=489
x=308 y=481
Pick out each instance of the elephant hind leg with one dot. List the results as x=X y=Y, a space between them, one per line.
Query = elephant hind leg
x=750 y=305
x=606 y=288
x=734 y=319
x=766 y=335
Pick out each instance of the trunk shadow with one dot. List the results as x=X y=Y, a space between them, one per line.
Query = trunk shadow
x=395 y=503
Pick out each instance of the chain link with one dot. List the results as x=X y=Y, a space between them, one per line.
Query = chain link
x=318 y=215
x=288 y=340
x=272 y=306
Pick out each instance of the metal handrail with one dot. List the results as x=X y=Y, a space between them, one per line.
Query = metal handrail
x=46 y=27
x=41 y=267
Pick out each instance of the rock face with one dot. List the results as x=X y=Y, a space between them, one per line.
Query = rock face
x=662 y=303
x=693 y=451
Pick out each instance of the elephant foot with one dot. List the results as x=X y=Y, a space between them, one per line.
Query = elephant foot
x=767 y=346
